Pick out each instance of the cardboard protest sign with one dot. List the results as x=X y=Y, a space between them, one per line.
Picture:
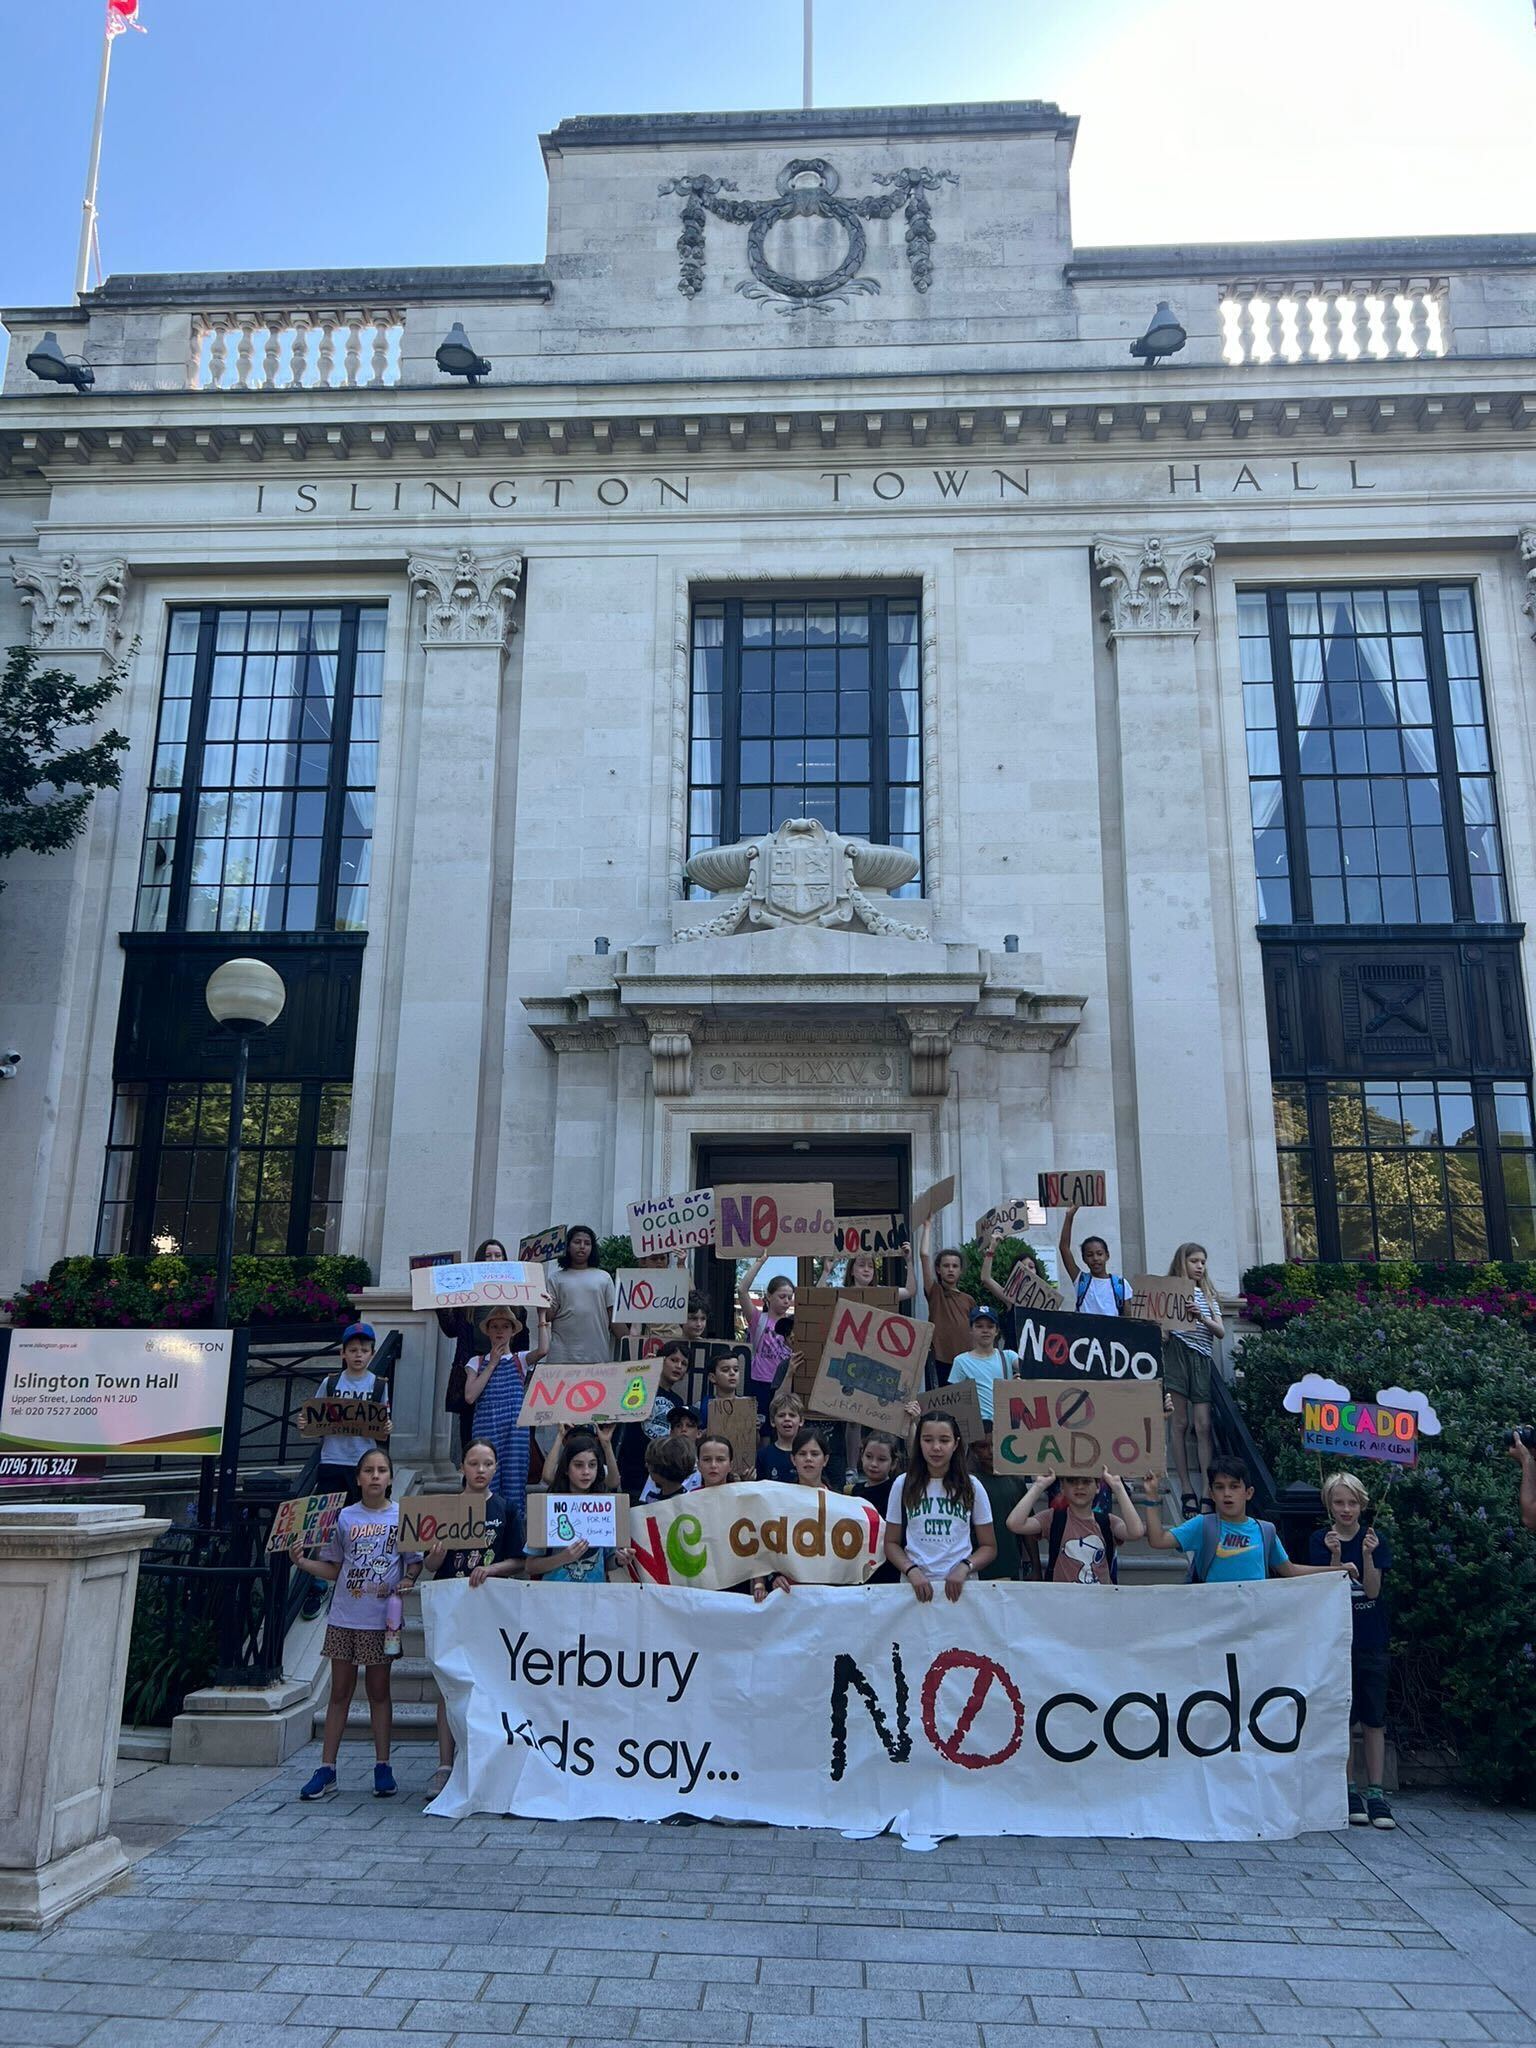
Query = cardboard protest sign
x=451 y=1519
x=1078 y=1190
x=1360 y=1429
x=1057 y=1346
x=556 y=1519
x=871 y=1365
x=304 y=1524
x=961 y=1400
x=419 y=1259
x=1164 y=1299
x=345 y=1418
x=734 y=1416
x=1025 y=1288
x=478 y=1283
x=589 y=1393
x=1048 y=1426
x=814 y=1309
x=543 y=1245
x=672 y=1223
x=932 y=1200
x=651 y=1294
x=877 y=1234
x=1007 y=1219
x=710 y=1541
x=798 y=1216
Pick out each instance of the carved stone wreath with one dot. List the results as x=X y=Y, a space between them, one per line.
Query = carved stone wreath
x=796 y=200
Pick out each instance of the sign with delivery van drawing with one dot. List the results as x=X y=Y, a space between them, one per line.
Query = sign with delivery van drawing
x=130 y=1393
x=871 y=1366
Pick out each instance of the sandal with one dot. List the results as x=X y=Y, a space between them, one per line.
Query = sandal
x=438 y=1781
x=1207 y=1505
x=1188 y=1504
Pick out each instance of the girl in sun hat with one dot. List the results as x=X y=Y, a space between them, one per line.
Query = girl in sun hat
x=493 y=1389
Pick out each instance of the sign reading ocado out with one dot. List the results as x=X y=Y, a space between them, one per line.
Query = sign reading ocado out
x=135 y=1393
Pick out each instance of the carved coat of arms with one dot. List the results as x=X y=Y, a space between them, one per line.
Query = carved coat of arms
x=806 y=189
x=803 y=875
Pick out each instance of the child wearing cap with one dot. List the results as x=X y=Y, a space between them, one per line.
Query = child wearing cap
x=986 y=1362
x=356 y=1381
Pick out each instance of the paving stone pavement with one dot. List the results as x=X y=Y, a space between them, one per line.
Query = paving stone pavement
x=276 y=1925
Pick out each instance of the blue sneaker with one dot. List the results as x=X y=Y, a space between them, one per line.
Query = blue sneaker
x=384 y=1786
x=322 y=1785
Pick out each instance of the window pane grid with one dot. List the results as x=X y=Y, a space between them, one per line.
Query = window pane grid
x=1293 y=1142
x=289 y=1186
x=284 y=711
x=1407 y=1171
x=806 y=707
x=1350 y=678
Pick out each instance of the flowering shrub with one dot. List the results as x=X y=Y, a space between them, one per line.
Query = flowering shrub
x=1274 y=1294
x=177 y=1292
x=1463 y=1583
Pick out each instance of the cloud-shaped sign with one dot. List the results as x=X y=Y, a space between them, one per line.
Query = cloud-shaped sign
x=1312 y=1387
x=1403 y=1397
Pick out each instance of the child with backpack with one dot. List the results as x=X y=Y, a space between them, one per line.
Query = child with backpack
x=1081 y=1537
x=1350 y=1539
x=1099 y=1292
x=1230 y=1544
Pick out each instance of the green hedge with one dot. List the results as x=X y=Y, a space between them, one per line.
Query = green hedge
x=177 y=1292
x=1463 y=1583
x=1504 y=1288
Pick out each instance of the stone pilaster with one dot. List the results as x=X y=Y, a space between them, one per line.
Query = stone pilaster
x=1528 y=563
x=1183 y=1143
x=464 y=603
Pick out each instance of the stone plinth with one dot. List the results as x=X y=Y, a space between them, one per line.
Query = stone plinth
x=67 y=1581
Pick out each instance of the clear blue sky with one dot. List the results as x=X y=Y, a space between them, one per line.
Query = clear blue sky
x=269 y=133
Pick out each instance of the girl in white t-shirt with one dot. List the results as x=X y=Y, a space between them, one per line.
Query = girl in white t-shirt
x=938 y=1521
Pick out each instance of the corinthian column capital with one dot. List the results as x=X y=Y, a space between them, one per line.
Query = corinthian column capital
x=1150 y=585
x=465 y=596
x=76 y=604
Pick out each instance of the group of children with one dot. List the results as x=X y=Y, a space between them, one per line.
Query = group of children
x=948 y=1516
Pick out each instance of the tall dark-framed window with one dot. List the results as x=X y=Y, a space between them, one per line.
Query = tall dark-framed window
x=164 y=1175
x=262 y=786
x=807 y=707
x=1371 y=780
x=1421 y=1169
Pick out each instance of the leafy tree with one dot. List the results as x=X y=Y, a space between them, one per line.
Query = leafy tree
x=42 y=714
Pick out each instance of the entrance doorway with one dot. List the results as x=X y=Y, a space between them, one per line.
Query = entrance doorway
x=869 y=1176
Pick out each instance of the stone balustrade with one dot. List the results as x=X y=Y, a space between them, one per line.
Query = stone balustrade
x=343 y=348
x=1318 y=320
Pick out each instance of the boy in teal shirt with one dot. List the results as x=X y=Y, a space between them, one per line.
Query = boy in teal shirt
x=1230 y=1545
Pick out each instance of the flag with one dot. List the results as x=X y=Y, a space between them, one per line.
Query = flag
x=123 y=14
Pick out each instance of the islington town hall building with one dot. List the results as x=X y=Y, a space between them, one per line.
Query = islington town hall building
x=789 y=693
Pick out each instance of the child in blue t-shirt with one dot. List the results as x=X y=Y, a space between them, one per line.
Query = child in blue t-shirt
x=1350 y=1540
x=1230 y=1545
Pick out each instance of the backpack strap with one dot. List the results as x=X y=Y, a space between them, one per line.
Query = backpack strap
x=1082 y=1287
x=1201 y=1560
x=1058 y=1530
x=1271 y=1539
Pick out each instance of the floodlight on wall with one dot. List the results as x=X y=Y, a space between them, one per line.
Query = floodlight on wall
x=1165 y=337
x=49 y=362
x=456 y=358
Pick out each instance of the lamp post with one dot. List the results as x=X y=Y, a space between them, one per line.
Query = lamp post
x=245 y=996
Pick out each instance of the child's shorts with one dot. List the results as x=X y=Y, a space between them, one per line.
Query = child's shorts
x=1368 y=1687
x=1186 y=1371
x=354 y=1645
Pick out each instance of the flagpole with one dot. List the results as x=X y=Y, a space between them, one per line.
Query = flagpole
x=805 y=45
x=88 y=205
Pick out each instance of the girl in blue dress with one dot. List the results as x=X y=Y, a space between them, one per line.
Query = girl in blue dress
x=493 y=1393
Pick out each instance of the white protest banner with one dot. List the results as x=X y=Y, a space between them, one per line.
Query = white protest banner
x=651 y=1294
x=929 y=1203
x=135 y=1393
x=1163 y=1299
x=871 y=1365
x=556 y=1519
x=672 y=1223
x=713 y=1540
x=452 y=1519
x=589 y=1393
x=478 y=1283
x=797 y=1217
x=878 y=1234
x=1078 y=1426
x=1196 y=1713
x=305 y=1523
x=1076 y=1190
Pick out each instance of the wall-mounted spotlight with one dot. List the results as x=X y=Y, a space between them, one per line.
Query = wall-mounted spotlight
x=49 y=362
x=456 y=358
x=1165 y=337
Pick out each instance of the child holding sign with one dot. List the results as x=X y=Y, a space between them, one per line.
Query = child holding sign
x=1083 y=1537
x=949 y=1306
x=500 y=1558
x=938 y=1522
x=770 y=1347
x=1187 y=1363
x=581 y=1457
x=493 y=1391
x=365 y=1569
x=985 y=1362
x=355 y=1382
x=1350 y=1540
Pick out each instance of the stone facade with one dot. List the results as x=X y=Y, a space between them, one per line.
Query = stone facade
x=546 y=1025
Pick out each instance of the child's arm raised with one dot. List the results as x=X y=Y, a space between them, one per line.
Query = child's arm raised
x=1126 y=1523
x=986 y=1276
x=744 y=1288
x=1370 y=1571
x=924 y=1240
x=610 y=1462
x=1069 y=1265
x=1022 y=1519
x=1159 y=1537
